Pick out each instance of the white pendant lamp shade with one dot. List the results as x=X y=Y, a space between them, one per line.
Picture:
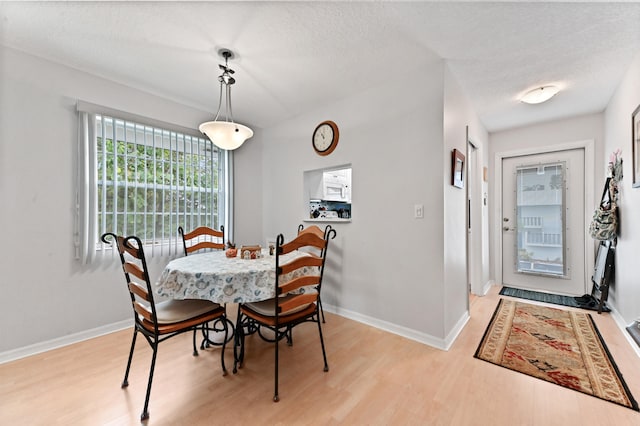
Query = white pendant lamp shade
x=225 y=134
x=539 y=95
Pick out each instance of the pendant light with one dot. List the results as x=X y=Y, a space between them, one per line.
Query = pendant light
x=225 y=133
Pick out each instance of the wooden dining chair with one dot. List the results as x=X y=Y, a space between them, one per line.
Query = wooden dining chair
x=158 y=322
x=291 y=306
x=202 y=238
x=314 y=229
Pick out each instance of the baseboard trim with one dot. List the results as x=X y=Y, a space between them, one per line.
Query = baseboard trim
x=634 y=331
x=427 y=339
x=48 y=345
x=487 y=287
x=623 y=328
x=453 y=335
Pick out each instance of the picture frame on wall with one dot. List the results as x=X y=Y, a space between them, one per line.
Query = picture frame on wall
x=457 y=168
x=635 y=146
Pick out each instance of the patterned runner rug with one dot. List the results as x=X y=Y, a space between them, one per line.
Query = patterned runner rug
x=561 y=347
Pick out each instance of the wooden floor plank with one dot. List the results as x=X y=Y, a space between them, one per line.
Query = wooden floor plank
x=375 y=378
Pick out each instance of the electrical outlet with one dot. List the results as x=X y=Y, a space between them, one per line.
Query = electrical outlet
x=418 y=211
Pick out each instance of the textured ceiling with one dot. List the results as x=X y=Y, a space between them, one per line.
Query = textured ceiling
x=294 y=56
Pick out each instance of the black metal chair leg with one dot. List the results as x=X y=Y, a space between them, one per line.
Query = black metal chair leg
x=238 y=352
x=321 y=310
x=145 y=412
x=233 y=328
x=324 y=353
x=289 y=334
x=205 y=336
x=125 y=382
x=195 y=349
x=224 y=345
x=276 y=398
x=238 y=346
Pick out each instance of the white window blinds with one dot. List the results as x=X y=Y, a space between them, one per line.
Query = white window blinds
x=140 y=177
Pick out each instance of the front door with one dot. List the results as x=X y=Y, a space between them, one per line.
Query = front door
x=543 y=226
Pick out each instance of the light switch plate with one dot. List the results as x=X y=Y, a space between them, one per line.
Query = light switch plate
x=418 y=211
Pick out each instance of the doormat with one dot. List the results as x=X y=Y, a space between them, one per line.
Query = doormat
x=582 y=302
x=559 y=346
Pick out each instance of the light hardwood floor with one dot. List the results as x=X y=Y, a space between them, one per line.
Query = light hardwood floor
x=375 y=378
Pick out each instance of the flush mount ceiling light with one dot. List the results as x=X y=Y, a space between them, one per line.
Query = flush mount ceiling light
x=226 y=134
x=539 y=95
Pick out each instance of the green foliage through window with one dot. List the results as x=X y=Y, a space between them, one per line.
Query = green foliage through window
x=150 y=181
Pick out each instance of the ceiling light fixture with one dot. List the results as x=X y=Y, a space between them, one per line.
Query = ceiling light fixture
x=539 y=95
x=226 y=134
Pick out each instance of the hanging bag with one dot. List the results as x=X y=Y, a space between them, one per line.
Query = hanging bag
x=604 y=224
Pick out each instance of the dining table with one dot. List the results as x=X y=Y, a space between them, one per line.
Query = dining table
x=214 y=276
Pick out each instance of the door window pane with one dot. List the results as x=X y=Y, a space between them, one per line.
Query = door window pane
x=540 y=195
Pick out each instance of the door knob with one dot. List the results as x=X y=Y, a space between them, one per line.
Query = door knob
x=506 y=228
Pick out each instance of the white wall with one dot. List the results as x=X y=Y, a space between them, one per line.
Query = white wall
x=248 y=191
x=385 y=267
x=458 y=114
x=46 y=294
x=624 y=294
x=582 y=128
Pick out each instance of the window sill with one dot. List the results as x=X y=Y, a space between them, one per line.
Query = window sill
x=327 y=219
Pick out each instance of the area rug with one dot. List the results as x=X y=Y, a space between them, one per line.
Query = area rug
x=582 y=302
x=559 y=346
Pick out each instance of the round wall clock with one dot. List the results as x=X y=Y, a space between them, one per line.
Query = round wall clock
x=325 y=137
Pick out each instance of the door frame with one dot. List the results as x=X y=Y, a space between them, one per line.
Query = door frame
x=589 y=171
x=474 y=218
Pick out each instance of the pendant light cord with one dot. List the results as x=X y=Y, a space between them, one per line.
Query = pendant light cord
x=226 y=80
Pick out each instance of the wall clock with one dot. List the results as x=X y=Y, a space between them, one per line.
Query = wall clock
x=325 y=137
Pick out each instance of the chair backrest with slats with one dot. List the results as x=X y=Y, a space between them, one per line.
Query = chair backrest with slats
x=314 y=229
x=201 y=238
x=305 y=241
x=136 y=274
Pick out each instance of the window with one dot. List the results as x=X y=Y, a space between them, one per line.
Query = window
x=541 y=220
x=146 y=180
x=328 y=194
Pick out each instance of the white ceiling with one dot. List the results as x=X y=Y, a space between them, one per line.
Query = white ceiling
x=295 y=56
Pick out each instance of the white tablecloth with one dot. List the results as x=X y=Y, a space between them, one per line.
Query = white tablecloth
x=215 y=277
